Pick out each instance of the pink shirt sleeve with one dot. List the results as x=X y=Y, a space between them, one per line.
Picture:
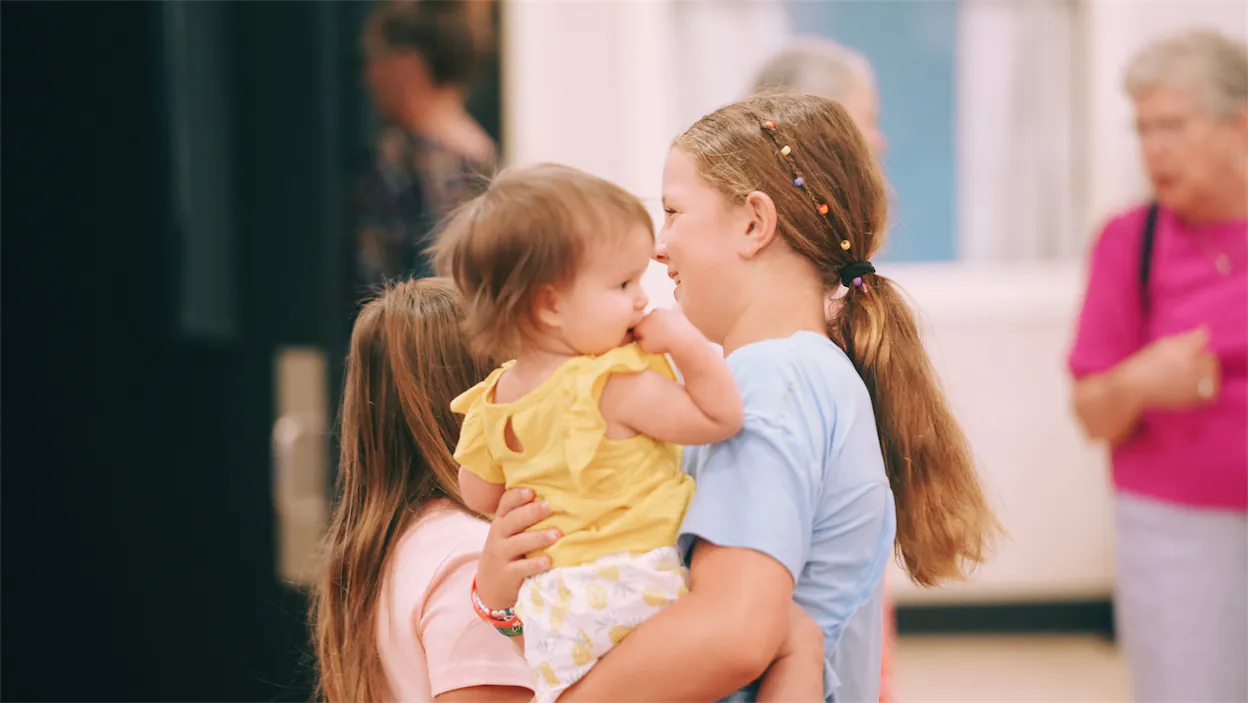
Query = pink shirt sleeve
x=1111 y=323
x=461 y=650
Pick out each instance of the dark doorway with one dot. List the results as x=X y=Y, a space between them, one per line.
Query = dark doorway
x=175 y=181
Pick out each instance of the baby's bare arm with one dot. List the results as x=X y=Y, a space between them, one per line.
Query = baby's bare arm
x=706 y=409
x=480 y=495
x=659 y=407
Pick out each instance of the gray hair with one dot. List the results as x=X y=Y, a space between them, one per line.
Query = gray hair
x=1200 y=58
x=816 y=67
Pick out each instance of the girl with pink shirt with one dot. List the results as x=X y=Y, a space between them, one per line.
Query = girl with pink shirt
x=392 y=619
x=1160 y=364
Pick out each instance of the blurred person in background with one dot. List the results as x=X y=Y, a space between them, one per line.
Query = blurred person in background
x=1160 y=364
x=830 y=70
x=827 y=69
x=421 y=57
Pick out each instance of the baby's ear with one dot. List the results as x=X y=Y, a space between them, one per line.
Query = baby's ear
x=546 y=308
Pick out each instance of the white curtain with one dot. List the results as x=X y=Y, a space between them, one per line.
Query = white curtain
x=1019 y=171
x=721 y=45
x=586 y=84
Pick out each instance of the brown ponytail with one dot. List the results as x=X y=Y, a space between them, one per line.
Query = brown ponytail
x=944 y=525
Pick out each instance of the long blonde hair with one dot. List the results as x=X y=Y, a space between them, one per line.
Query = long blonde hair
x=944 y=525
x=407 y=361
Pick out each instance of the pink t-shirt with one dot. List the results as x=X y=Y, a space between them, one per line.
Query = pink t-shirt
x=1198 y=456
x=428 y=636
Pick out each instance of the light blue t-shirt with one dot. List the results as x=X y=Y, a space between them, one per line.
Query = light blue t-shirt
x=804 y=483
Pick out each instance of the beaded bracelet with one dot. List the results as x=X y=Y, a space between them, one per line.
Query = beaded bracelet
x=503 y=619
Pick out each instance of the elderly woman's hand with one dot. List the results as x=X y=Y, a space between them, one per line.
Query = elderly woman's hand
x=1177 y=371
x=504 y=566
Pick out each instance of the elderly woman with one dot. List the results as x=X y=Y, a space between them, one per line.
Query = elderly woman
x=1161 y=374
x=827 y=69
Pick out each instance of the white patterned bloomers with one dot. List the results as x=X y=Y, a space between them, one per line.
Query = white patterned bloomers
x=573 y=615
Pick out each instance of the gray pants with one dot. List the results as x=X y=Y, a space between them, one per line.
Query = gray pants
x=1181 y=599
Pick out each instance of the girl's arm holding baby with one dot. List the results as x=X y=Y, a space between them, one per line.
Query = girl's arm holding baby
x=705 y=410
x=797 y=673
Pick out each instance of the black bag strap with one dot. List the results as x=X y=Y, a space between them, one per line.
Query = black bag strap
x=1146 y=251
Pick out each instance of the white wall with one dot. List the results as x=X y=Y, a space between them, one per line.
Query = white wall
x=998 y=336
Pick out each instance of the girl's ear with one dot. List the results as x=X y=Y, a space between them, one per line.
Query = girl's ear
x=760 y=211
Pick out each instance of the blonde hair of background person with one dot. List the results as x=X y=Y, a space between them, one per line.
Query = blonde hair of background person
x=391 y=615
x=1161 y=374
x=847 y=438
x=830 y=70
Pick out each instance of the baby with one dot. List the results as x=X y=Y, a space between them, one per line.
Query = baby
x=590 y=414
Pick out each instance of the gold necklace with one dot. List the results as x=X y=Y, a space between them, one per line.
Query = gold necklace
x=1221 y=259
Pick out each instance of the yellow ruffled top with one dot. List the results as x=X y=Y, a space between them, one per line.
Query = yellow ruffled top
x=607 y=496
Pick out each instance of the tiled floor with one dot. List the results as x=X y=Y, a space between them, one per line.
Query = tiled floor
x=987 y=669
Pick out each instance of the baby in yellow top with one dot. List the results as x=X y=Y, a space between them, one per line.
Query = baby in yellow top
x=590 y=414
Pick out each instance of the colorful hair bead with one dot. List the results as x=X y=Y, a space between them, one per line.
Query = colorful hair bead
x=857 y=281
x=769 y=128
x=845 y=244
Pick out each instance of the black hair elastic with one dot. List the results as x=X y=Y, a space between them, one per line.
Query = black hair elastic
x=851 y=274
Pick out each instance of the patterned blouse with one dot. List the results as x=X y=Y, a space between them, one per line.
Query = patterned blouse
x=410 y=184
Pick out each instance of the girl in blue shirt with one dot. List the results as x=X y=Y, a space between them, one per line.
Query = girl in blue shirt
x=849 y=452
